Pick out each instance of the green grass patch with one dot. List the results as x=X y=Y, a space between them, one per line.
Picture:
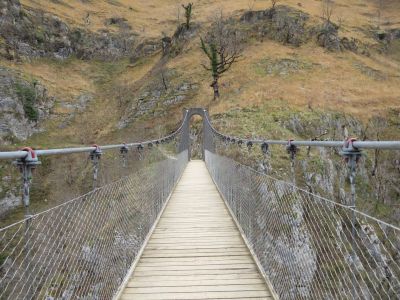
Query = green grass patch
x=282 y=67
x=27 y=95
x=105 y=73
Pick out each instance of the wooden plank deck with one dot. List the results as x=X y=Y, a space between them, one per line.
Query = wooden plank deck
x=196 y=251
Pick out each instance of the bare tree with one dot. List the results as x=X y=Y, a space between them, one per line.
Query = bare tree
x=328 y=7
x=178 y=12
x=380 y=8
x=164 y=81
x=273 y=3
x=87 y=19
x=188 y=13
x=251 y=4
x=222 y=47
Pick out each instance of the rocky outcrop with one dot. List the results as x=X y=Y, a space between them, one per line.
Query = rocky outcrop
x=388 y=40
x=146 y=48
x=103 y=45
x=9 y=202
x=170 y=46
x=119 y=22
x=283 y=24
x=156 y=99
x=328 y=37
x=10 y=195
x=290 y=26
x=181 y=37
x=23 y=105
x=35 y=34
x=387 y=35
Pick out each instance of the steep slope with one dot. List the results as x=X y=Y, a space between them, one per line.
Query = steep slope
x=108 y=77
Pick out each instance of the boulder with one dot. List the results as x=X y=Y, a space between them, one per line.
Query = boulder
x=283 y=24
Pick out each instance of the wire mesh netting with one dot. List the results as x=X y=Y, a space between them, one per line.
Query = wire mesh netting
x=83 y=248
x=309 y=247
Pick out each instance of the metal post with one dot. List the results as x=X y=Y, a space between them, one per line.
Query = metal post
x=163 y=184
x=95 y=156
x=124 y=151
x=265 y=151
x=206 y=135
x=352 y=156
x=205 y=139
x=140 y=150
x=26 y=166
x=249 y=145
x=184 y=143
x=292 y=150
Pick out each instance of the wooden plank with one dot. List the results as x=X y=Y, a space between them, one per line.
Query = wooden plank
x=197 y=265
x=191 y=246
x=193 y=271
x=199 y=295
x=236 y=277
x=202 y=260
x=195 y=229
x=183 y=283
x=196 y=251
x=197 y=288
x=176 y=267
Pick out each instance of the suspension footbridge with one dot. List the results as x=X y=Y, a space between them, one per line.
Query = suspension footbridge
x=172 y=228
x=196 y=252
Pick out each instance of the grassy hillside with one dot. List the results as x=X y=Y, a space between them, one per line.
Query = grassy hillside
x=315 y=78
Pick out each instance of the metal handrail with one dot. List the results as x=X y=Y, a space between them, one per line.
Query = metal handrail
x=23 y=154
x=384 y=145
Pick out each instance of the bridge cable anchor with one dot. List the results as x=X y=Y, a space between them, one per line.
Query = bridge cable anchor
x=124 y=153
x=140 y=149
x=292 y=150
x=266 y=162
x=265 y=148
x=95 y=157
x=352 y=156
x=27 y=165
x=249 y=145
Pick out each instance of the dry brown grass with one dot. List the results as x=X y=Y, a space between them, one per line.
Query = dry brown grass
x=150 y=18
x=333 y=84
x=67 y=80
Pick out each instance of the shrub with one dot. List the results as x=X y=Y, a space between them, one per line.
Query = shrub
x=27 y=95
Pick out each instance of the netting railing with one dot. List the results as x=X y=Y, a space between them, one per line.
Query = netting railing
x=309 y=247
x=84 y=248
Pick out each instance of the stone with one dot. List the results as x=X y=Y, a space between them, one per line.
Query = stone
x=9 y=202
x=37 y=34
x=14 y=121
x=166 y=44
x=118 y=21
x=328 y=37
x=284 y=24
